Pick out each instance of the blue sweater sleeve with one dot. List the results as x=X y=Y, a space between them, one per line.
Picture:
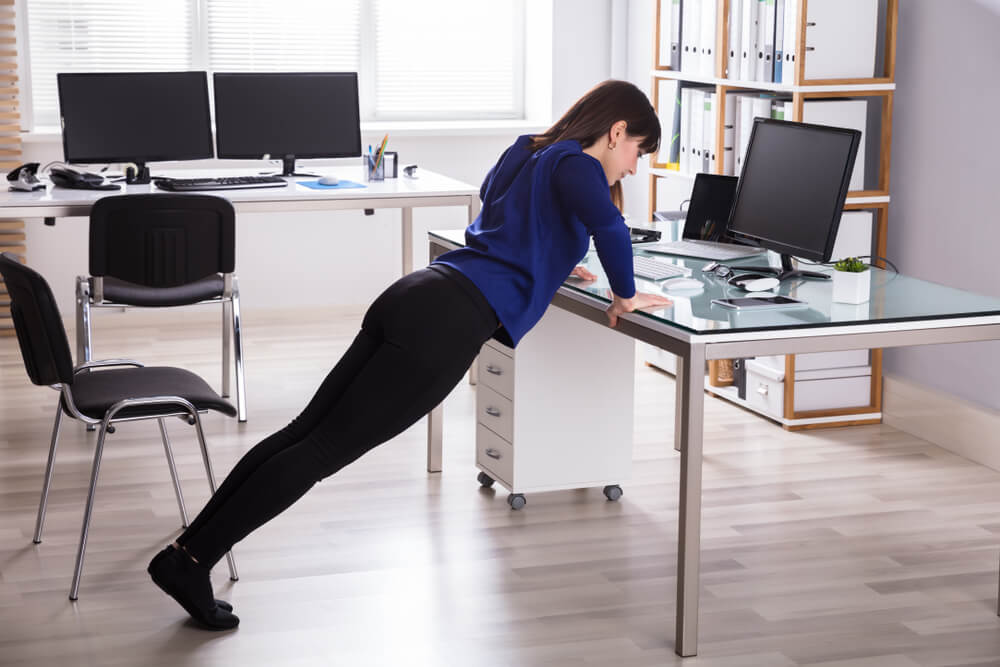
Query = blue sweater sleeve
x=582 y=188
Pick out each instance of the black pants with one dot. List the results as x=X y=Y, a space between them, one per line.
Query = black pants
x=416 y=342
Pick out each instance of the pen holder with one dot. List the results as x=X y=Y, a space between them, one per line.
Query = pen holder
x=373 y=172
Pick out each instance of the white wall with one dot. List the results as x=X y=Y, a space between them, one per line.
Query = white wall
x=942 y=221
x=346 y=258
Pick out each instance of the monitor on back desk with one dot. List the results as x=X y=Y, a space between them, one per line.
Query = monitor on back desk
x=134 y=117
x=287 y=116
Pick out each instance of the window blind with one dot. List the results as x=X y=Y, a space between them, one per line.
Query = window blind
x=284 y=36
x=103 y=36
x=448 y=59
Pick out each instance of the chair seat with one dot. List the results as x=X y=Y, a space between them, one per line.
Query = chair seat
x=98 y=390
x=124 y=292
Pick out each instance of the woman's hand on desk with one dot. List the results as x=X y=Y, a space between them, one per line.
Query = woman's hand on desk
x=582 y=273
x=641 y=300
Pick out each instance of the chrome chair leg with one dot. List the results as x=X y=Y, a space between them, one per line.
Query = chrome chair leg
x=88 y=510
x=83 y=333
x=43 y=503
x=233 y=574
x=241 y=387
x=227 y=319
x=173 y=472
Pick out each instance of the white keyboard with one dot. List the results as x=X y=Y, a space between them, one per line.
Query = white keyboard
x=654 y=269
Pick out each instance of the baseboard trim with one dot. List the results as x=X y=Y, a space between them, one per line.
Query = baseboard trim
x=952 y=423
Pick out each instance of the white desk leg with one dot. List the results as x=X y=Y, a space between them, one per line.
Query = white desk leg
x=689 y=421
x=678 y=404
x=435 y=423
x=407 y=240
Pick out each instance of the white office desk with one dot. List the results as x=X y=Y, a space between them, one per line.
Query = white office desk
x=430 y=189
x=903 y=311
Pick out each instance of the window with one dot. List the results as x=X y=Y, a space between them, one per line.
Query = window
x=427 y=60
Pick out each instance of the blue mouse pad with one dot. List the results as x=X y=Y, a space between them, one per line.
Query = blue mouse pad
x=343 y=185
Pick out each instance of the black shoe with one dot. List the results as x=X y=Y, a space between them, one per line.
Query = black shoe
x=188 y=583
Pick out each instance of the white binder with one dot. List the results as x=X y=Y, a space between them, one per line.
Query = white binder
x=779 y=37
x=711 y=133
x=735 y=103
x=765 y=41
x=734 y=58
x=685 y=147
x=729 y=136
x=691 y=37
x=748 y=40
x=840 y=39
x=707 y=41
x=675 y=34
x=842 y=113
x=665 y=28
x=697 y=130
x=791 y=35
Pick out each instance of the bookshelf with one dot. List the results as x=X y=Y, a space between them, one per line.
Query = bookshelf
x=11 y=231
x=873 y=197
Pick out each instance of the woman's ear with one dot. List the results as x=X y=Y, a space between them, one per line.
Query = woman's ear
x=616 y=133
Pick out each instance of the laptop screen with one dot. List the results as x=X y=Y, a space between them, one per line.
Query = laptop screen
x=708 y=213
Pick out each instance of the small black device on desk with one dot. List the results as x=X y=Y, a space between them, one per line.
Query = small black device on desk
x=25 y=179
x=64 y=177
x=220 y=183
x=639 y=235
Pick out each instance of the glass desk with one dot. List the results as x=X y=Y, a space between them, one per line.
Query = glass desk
x=902 y=311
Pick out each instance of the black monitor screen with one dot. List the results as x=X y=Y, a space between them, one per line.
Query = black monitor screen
x=135 y=116
x=793 y=186
x=305 y=115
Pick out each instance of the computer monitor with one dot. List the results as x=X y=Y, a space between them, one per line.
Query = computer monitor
x=135 y=117
x=792 y=191
x=287 y=116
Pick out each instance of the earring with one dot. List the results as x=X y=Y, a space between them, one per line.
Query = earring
x=611 y=146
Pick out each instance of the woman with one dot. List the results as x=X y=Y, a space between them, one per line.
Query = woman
x=542 y=201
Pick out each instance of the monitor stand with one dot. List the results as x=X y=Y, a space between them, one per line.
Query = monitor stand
x=138 y=175
x=288 y=168
x=786 y=271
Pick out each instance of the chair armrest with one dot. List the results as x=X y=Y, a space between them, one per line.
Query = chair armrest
x=105 y=363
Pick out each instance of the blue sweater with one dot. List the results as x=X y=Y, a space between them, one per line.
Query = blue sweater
x=539 y=210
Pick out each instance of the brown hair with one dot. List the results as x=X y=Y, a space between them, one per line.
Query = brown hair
x=592 y=116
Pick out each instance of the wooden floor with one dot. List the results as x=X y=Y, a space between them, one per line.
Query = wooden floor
x=841 y=548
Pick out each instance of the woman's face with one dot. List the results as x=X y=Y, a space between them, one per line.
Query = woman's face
x=624 y=158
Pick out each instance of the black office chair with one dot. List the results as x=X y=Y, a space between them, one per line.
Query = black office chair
x=130 y=392
x=161 y=250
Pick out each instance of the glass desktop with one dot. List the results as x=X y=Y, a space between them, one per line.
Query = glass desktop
x=894 y=297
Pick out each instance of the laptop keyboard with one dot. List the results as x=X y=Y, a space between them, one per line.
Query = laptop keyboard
x=704 y=249
x=654 y=269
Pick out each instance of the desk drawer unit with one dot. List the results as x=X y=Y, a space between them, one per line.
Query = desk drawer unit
x=496 y=369
x=556 y=413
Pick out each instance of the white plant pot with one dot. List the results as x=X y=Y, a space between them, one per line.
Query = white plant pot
x=851 y=287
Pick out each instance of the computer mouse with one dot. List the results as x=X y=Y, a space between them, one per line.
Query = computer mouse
x=328 y=180
x=760 y=284
x=677 y=284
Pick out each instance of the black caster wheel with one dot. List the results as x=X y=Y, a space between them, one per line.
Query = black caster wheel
x=485 y=480
x=612 y=492
x=516 y=501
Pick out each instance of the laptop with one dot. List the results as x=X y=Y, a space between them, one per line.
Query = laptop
x=704 y=233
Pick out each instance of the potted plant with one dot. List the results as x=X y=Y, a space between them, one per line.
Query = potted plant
x=851 y=281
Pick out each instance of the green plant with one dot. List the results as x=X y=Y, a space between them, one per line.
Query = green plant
x=851 y=265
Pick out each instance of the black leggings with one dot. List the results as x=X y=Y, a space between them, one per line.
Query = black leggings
x=416 y=341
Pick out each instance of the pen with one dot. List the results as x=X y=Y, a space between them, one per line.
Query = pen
x=371 y=162
x=381 y=151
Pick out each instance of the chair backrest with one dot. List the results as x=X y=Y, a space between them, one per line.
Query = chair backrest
x=162 y=240
x=40 y=331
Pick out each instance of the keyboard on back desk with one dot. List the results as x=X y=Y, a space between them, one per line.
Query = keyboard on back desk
x=219 y=183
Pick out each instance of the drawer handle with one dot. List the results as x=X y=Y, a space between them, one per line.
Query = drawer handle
x=762 y=389
x=493 y=453
x=493 y=412
x=494 y=370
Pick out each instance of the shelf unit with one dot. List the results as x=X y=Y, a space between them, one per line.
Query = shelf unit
x=874 y=199
x=12 y=235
